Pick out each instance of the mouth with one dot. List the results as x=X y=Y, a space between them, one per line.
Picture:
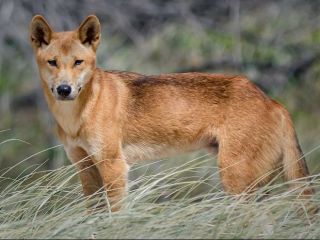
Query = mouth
x=69 y=98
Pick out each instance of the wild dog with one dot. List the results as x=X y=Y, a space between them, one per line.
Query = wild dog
x=114 y=118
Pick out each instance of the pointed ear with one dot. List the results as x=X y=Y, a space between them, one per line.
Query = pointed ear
x=40 y=32
x=89 y=32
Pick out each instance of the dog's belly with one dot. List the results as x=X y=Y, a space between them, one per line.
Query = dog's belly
x=134 y=153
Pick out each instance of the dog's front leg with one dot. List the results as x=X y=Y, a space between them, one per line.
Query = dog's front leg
x=114 y=174
x=88 y=173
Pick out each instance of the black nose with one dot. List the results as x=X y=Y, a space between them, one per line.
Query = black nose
x=64 y=90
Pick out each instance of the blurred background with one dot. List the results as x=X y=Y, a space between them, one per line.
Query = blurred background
x=275 y=43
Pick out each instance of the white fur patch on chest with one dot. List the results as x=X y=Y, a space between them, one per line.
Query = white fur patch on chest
x=64 y=113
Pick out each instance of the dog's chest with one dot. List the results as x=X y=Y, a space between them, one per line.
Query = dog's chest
x=64 y=114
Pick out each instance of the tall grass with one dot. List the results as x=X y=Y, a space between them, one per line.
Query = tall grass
x=169 y=203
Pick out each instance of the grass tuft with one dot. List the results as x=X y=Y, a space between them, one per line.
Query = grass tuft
x=172 y=203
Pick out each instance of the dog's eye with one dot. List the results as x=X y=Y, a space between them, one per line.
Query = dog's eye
x=78 y=62
x=52 y=63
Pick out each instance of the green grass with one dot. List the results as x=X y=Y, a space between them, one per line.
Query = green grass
x=175 y=202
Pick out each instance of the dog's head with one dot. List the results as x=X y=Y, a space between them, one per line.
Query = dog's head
x=66 y=60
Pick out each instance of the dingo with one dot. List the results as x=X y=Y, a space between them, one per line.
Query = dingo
x=113 y=118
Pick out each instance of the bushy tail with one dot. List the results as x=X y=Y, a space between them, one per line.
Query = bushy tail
x=294 y=163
